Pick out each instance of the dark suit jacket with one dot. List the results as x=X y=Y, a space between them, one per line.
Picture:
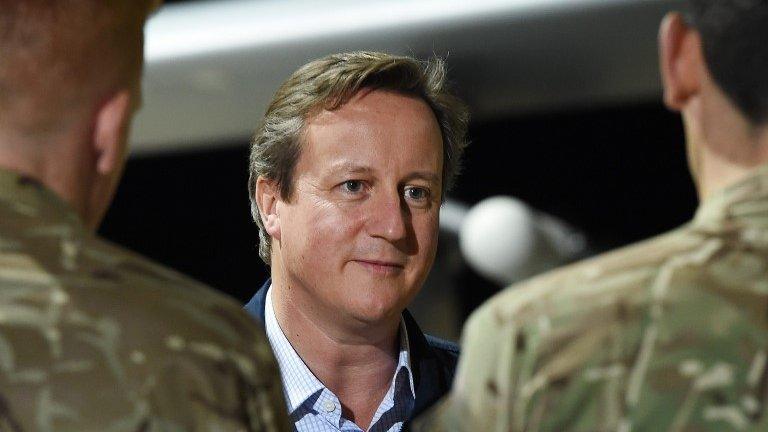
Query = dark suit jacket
x=433 y=360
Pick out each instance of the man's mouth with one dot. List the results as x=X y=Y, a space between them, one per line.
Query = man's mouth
x=381 y=267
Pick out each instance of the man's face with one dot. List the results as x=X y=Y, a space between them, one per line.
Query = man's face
x=359 y=234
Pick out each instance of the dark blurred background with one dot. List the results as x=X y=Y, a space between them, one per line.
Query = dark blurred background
x=598 y=152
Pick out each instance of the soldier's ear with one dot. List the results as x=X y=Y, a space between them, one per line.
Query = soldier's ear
x=107 y=145
x=110 y=132
x=267 y=196
x=681 y=61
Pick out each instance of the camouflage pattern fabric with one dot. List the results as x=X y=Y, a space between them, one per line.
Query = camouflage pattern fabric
x=670 y=334
x=95 y=338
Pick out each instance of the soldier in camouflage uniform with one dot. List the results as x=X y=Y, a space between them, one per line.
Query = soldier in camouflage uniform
x=93 y=337
x=670 y=334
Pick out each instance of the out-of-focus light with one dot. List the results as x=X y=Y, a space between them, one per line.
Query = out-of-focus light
x=505 y=240
x=498 y=238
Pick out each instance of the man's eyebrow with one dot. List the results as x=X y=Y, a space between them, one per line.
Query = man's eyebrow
x=356 y=168
x=351 y=167
x=423 y=175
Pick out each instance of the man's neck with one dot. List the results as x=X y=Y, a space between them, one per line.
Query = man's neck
x=358 y=368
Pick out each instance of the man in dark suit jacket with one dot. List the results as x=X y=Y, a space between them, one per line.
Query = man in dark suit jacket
x=347 y=173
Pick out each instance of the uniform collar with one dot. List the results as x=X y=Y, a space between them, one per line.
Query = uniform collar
x=741 y=209
x=29 y=198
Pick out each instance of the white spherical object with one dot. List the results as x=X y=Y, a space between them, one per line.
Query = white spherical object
x=498 y=238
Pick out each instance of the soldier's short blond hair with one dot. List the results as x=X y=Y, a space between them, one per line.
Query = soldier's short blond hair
x=327 y=84
x=56 y=55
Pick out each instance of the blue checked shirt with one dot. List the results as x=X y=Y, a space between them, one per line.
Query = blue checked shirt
x=314 y=408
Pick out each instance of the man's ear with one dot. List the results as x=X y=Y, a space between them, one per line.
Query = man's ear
x=681 y=61
x=110 y=130
x=267 y=196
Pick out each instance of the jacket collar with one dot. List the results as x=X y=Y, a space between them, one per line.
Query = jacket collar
x=257 y=304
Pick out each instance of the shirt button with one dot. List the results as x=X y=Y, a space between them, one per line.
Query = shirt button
x=329 y=406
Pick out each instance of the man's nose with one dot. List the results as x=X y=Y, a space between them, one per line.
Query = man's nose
x=389 y=217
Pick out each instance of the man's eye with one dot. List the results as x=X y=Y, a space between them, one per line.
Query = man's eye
x=416 y=193
x=352 y=186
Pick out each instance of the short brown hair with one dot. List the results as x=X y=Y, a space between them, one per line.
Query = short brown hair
x=55 y=55
x=328 y=83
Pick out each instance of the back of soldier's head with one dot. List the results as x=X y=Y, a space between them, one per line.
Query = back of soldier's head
x=735 y=41
x=59 y=57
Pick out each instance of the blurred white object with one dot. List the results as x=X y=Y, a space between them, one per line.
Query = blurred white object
x=452 y=215
x=505 y=240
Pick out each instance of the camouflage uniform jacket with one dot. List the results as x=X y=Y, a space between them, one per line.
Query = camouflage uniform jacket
x=666 y=335
x=95 y=338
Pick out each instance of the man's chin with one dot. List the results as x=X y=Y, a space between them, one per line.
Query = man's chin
x=375 y=315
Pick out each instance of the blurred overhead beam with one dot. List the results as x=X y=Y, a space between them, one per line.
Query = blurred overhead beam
x=213 y=66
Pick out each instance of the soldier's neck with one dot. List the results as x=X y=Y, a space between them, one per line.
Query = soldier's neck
x=718 y=169
x=57 y=169
x=723 y=145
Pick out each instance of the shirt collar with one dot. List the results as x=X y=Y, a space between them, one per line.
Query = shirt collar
x=404 y=358
x=299 y=383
